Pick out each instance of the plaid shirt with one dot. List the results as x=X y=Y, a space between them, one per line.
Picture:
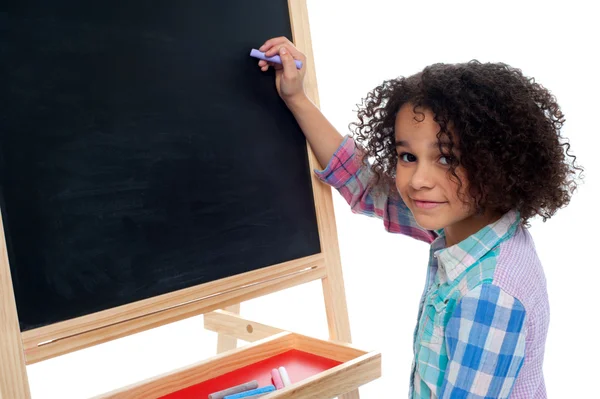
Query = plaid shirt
x=483 y=316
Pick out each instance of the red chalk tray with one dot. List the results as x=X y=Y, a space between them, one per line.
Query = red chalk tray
x=299 y=365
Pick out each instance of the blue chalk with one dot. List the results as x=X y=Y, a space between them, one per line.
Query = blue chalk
x=265 y=389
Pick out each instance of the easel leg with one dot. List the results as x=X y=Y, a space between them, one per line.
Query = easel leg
x=337 y=314
x=13 y=373
x=226 y=342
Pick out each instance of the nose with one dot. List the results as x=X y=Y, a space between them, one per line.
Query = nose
x=421 y=177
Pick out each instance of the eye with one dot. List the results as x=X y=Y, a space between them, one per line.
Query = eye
x=446 y=160
x=407 y=157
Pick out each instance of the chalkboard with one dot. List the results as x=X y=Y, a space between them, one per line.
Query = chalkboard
x=142 y=151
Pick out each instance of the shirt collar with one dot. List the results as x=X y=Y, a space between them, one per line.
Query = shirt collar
x=459 y=257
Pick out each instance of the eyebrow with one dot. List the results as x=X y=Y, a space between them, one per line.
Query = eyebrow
x=403 y=143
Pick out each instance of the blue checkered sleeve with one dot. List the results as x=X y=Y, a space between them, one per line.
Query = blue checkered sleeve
x=485 y=338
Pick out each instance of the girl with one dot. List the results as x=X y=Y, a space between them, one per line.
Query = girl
x=461 y=157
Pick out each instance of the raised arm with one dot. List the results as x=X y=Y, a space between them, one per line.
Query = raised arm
x=323 y=138
x=338 y=155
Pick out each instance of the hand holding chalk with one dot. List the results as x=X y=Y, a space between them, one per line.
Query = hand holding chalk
x=276 y=59
x=289 y=70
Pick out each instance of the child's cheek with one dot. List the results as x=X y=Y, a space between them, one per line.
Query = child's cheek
x=460 y=191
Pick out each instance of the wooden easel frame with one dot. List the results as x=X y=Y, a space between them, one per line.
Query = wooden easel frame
x=19 y=349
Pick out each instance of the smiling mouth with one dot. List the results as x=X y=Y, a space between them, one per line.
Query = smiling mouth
x=427 y=204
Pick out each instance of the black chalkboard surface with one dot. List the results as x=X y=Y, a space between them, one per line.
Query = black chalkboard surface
x=142 y=151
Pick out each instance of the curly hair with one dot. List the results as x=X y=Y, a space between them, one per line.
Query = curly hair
x=506 y=125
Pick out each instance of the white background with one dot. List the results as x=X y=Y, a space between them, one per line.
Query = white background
x=358 y=44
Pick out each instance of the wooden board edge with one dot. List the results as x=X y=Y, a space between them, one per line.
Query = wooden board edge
x=343 y=379
x=232 y=324
x=125 y=320
x=204 y=370
x=333 y=286
x=335 y=350
x=13 y=373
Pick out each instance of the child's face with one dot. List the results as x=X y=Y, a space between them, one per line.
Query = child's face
x=422 y=176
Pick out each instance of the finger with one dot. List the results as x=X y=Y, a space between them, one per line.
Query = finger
x=292 y=50
x=272 y=46
x=271 y=65
x=289 y=66
x=263 y=63
x=276 y=41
